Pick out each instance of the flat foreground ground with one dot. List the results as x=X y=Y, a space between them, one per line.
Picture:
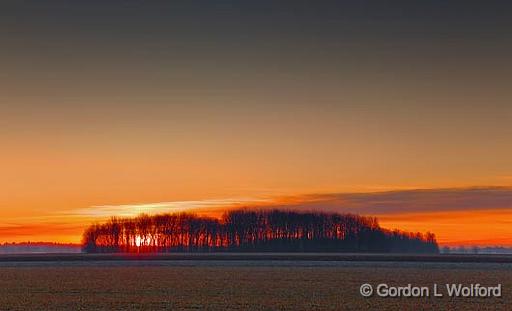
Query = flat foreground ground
x=240 y=285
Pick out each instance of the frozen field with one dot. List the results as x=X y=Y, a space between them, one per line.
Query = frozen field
x=193 y=284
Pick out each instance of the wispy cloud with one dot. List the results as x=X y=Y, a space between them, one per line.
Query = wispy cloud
x=407 y=201
x=127 y=210
x=373 y=203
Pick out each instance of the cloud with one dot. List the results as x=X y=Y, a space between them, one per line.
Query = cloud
x=203 y=206
x=407 y=201
x=374 y=203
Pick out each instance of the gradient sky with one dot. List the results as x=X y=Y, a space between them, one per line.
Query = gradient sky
x=133 y=104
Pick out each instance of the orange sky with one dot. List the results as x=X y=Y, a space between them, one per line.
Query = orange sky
x=171 y=107
x=485 y=227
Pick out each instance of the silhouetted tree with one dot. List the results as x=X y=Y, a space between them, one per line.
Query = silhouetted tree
x=251 y=230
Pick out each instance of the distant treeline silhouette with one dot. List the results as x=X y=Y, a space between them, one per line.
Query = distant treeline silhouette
x=248 y=230
x=39 y=247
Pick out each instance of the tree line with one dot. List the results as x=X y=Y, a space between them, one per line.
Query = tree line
x=252 y=230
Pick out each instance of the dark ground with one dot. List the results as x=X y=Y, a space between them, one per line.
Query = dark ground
x=230 y=282
x=484 y=258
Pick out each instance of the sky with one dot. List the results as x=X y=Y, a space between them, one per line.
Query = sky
x=125 y=107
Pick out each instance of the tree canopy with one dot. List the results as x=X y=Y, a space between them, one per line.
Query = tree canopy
x=252 y=230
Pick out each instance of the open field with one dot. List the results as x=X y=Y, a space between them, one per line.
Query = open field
x=358 y=257
x=239 y=284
